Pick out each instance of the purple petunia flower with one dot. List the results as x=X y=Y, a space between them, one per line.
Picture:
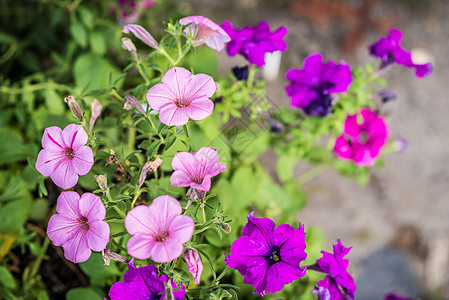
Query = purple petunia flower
x=389 y=50
x=78 y=226
x=268 y=257
x=65 y=155
x=196 y=170
x=206 y=31
x=254 y=42
x=338 y=281
x=362 y=140
x=143 y=283
x=393 y=296
x=159 y=230
x=311 y=87
x=181 y=96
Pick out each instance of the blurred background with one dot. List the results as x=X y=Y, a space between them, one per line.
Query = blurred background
x=398 y=223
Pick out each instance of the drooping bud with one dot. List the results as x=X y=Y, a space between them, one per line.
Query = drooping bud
x=225 y=227
x=128 y=45
x=141 y=34
x=74 y=107
x=133 y=101
x=194 y=264
x=102 y=182
x=108 y=255
x=150 y=166
x=96 y=108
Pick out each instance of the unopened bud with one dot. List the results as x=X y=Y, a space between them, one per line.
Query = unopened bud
x=96 y=108
x=141 y=34
x=128 y=45
x=194 y=264
x=102 y=182
x=108 y=255
x=74 y=107
x=225 y=227
x=133 y=101
x=150 y=166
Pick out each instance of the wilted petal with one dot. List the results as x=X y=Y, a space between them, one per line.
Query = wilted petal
x=141 y=34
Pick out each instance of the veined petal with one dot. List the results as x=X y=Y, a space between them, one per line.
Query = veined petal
x=165 y=208
x=201 y=86
x=65 y=175
x=52 y=138
x=181 y=228
x=180 y=178
x=177 y=80
x=185 y=162
x=160 y=96
x=140 y=246
x=98 y=235
x=76 y=249
x=60 y=229
x=138 y=220
x=74 y=136
x=90 y=206
x=48 y=161
x=83 y=160
x=199 y=109
x=167 y=251
x=171 y=115
x=68 y=204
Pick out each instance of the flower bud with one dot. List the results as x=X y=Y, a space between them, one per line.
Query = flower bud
x=102 y=182
x=74 y=107
x=194 y=264
x=128 y=45
x=150 y=166
x=141 y=34
x=108 y=255
x=133 y=101
x=225 y=227
x=96 y=108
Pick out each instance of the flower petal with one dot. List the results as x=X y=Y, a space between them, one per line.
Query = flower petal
x=171 y=115
x=76 y=249
x=177 y=80
x=167 y=251
x=60 y=229
x=200 y=109
x=74 y=136
x=185 y=162
x=140 y=246
x=181 y=229
x=52 y=138
x=138 y=220
x=48 y=160
x=83 y=160
x=65 y=175
x=98 y=235
x=160 y=96
x=90 y=206
x=180 y=178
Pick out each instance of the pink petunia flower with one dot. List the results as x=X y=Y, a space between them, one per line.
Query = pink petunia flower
x=196 y=170
x=181 y=96
x=65 y=155
x=205 y=31
x=364 y=136
x=78 y=225
x=159 y=230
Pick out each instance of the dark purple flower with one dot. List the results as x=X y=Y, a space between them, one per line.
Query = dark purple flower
x=338 y=281
x=275 y=126
x=241 y=73
x=392 y=296
x=143 y=283
x=268 y=257
x=311 y=87
x=254 y=42
x=322 y=293
x=389 y=50
x=387 y=96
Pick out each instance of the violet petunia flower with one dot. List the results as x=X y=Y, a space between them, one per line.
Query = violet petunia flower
x=142 y=34
x=181 y=96
x=159 y=230
x=144 y=283
x=338 y=281
x=389 y=50
x=194 y=264
x=268 y=257
x=205 y=31
x=311 y=87
x=254 y=42
x=65 y=155
x=79 y=225
x=363 y=138
x=196 y=170
x=241 y=73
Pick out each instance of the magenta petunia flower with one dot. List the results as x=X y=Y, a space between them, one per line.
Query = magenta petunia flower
x=311 y=87
x=364 y=135
x=181 y=96
x=196 y=170
x=338 y=281
x=389 y=50
x=143 y=283
x=205 y=31
x=268 y=257
x=254 y=42
x=65 y=155
x=78 y=225
x=159 y=230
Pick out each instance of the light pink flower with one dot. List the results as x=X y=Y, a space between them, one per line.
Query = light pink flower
x=206 y=31
x=64 y=156
x=78 y=226
x=196 y=170
x=181 y=96
x=194 y=264
x=159 y=230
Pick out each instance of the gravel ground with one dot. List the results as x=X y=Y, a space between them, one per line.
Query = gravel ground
x=399 y=223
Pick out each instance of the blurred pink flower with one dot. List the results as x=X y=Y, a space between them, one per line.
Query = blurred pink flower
x=205 y=31
x=196 y=170
x=181 y=96
x=159 y=230
x=194 y=264
x=78 y=226
x=64 y=156
x=96 y=108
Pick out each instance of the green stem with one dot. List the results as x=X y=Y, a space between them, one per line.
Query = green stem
x=164 y=53
x=114 y=93
x=136 y=195
x=139 y=67
x=38 y=262
x=108 y=196
x=155 y=129
x=311 y=173
x=204 y=212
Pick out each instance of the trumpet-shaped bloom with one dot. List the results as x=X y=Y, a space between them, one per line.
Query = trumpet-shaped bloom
x=268 y=257
x=143 y=283
x=142 y=34
x=389 y=50
x=181 y=96
x=205 y=31
x=254 y=42
x=194 y=264
x=196 y=170
x=65 y=155
x=338 y=281
x=311 y=87
x=78 y=225
x=362 y=141
x=159 y=230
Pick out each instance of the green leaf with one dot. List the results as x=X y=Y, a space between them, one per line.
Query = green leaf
x=55 y=103
x=6 y=279
x=97 y=271
x=170 y=142
x=97 y=43
x=14 y=214
x=79 y=34
x=83 y=294
x=285 y=167
x=87 y=17
x=86 y=72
